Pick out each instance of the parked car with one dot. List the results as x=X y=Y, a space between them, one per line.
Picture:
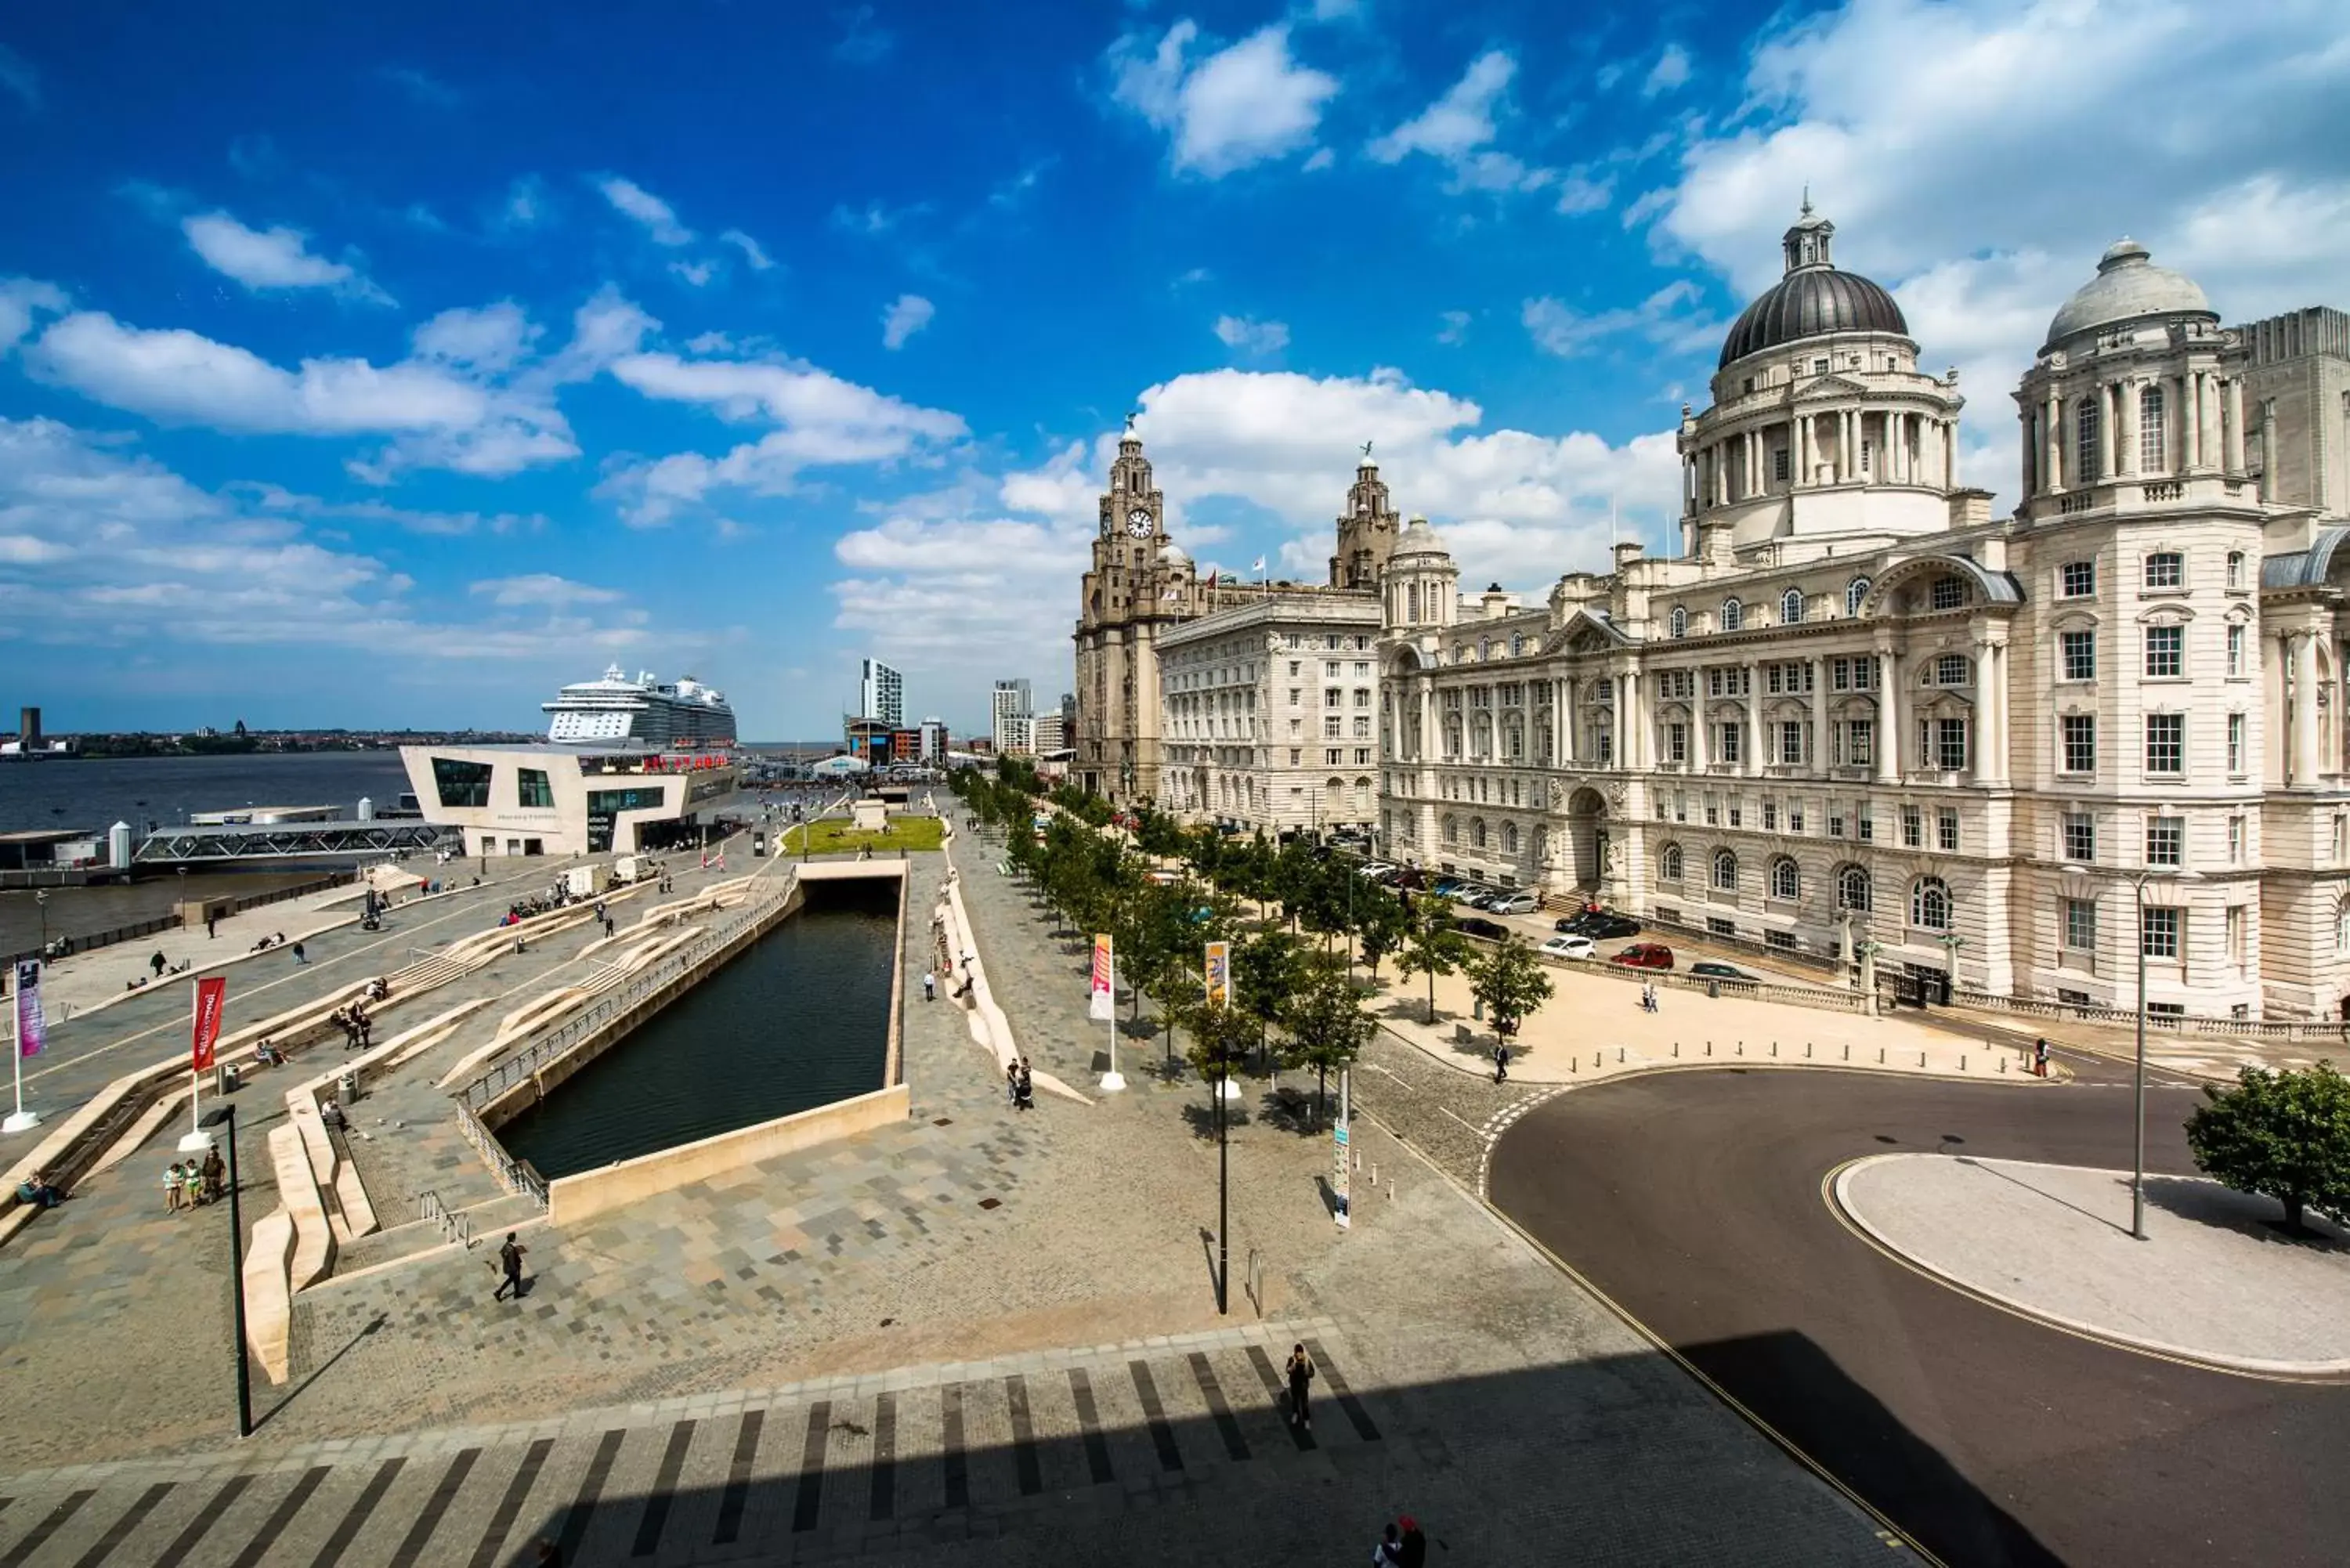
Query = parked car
x=1476 y=926
x=1442 y=886
x=1466 y=892
x=1377 y=870
x=1578 y=948
x=1713 y=969
x=1645 y=955
x=1603 y=926
x=1520 y=903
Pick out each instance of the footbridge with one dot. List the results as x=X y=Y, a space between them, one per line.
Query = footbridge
x=292 y=841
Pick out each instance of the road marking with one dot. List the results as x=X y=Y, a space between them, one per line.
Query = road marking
x=1162 y=1436
x=1406 y=1089
x=412 y=1546
x=38 y=1536
x=1475 y=1132
x=738 y=1479
x=348 y=1530
x=809 y=1500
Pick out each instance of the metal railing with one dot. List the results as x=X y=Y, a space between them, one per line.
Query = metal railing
x=455 y=1228
x=621 y=1000
x=512 y=1174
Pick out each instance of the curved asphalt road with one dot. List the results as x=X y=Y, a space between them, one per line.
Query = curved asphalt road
x=1693 y=1198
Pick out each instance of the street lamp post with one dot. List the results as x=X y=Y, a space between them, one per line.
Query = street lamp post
x=2138 y=1088
x=220 y=1116
x=41 y=902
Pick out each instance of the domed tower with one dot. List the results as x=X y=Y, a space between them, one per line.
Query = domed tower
x=1138 y=582
x=2136 y=386
x=1822 y=433
x=1366 y=530
x=1421 y=589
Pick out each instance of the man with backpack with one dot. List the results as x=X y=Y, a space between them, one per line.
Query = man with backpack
x=510 y=1266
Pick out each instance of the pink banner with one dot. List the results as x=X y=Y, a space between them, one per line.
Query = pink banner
x=32 y=1029
x=211 y=999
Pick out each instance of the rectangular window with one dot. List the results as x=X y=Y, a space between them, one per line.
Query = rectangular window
x=535 y=792
x=1716 y=926
x=1676 y=743
x=610 y=802
x=2237 y=923
x=1946 y=593
x=1835 y=825
x=1771 y=681
x=1913 y=830
x=1362 y=757
x=1946 y=831
x=1362 y=669
x=1770 y=817
x=1867 y=826
x=1839 y=674
x=2080 y=837
x=1332 y=728
x=1951 y=669
x=2235 y=650
x=1332 y=757
x=2166 y=744
x=2235 y=743
x=1951 y=744
x=2081 y=925
x=1713 y=813
x=2164 y=651
x=1680 y=807
x=2080 y=650
x=461 y=784
x=1293 y=756
x=1782 y=942
x=1791 y=740
x=2077 y=580
x=2235 y=841
x=2166 y=569
x=1330 y=669
x=1332 y=697
x=1794 y=816
x=2080 y=744
x=1733 y=737
x=1737 y=814
x=1779 y=463
x=2159 y=936
x=1297 y=698
x=2166 y=840
x=1858 y=739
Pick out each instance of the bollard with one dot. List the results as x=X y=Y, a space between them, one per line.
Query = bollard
x=1847 y=1050
x=1619 y=1056
x=2002 y=1064
x=1741 y=1047
x=1921 y=1058
x=1880 y=1056
x=1807 y=1050
x=1708 y=1048
x=1774 y=1047
x=1677 y=1048
x=1375 y=1173
x=1962 y=1061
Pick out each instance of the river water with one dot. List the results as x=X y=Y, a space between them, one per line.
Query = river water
x=800 y=1020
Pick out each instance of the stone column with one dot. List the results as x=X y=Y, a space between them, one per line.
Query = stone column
x=2305 y=710
x=2187 y=454
x=1820 y=753
x=2126 y=430
x=2051 y=444
x=1888 y=715
x=1947 y=442
x=2235 y=460
x=2207 y=428
x=1803 y=474
x=1992 y=746
x=1752 y=719
x=2108 y=426
x=1566 y=721
x=2028 y=448
x=1698 y=738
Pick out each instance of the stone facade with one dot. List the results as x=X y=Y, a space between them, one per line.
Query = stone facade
x=1269 y=713
x=1858 y=709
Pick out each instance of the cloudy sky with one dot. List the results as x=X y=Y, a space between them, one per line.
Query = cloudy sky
x=394 y=368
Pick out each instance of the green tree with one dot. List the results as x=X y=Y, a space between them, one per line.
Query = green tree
x=1265 y=973
x=2283 y=1134
x=1326 y=1025
x=1222 y=1038
x=1510 y=980
x=1430 y=946
x=1380 y=923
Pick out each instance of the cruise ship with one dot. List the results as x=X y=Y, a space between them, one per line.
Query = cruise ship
x=618 y=712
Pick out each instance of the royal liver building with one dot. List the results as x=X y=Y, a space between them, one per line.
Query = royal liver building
x=1858 y=708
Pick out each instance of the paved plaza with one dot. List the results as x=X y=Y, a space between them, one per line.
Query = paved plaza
x=880 y=1305
x=2218 y=1278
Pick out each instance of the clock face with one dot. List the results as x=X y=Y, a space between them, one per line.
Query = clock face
x=1138 y=523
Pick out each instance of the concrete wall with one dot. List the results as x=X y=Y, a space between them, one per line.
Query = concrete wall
x=573 y=1199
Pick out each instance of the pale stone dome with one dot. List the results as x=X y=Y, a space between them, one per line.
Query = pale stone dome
x=1417 y=539
x=2128 y=287
x=1171 y=554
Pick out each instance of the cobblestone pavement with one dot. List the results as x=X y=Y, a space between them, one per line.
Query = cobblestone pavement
x=1512 y=1413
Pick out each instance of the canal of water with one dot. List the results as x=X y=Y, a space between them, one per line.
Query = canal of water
x=799 y=1020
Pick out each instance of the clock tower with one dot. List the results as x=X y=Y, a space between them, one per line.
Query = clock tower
x=1138 y=582
x=1366 y=531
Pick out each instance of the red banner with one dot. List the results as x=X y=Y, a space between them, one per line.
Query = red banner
x=211 y=999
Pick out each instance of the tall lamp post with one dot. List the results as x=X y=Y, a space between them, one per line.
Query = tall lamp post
x=41 y=902
x=2138 y=1094
x=226 y=1115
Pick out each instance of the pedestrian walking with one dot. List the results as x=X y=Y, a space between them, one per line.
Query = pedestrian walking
x=210 y=921
x=509 y=1265
x=1501 y=1063
x=174 y=1185
x=216 y=1171
x=2040 y=1057
x=158 y=963
x=192 y=1182
x=299 y=957
x=1012 y=1083
x=1388 y=1552
x=930 y=986
x=1300 y=1373
x=1024 y=1093
x=1414 y=1553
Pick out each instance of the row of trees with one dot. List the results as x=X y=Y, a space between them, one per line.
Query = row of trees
x=1297 y=917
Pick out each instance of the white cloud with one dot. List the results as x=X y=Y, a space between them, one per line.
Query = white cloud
x=1579 y=193
x=494 y=337
x=861 y=43
x=17 y=75
x=22 y=301
x=1909 y=119
x=1227 y=110
x=632 y=201
x=876 y=217
x=527 y=204
x=428 y=90
x=906 y=316
x=758 y=258
x=1670 y=318
x=1670 y=72
x=1457 y=123
x=277 y=257
x=1456 y=327
x=696 y=273
x=1252 y=336
x=543 y=588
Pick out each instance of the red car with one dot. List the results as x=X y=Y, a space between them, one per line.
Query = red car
x=1646 y=955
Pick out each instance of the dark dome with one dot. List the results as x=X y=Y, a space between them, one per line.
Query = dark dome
x=1808 y=303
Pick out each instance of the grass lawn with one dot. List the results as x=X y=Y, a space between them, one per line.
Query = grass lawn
x=834 y=836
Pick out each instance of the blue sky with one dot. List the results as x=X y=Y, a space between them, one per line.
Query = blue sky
x=396 y=367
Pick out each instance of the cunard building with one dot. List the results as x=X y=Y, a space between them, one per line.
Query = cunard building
x=2016 y=751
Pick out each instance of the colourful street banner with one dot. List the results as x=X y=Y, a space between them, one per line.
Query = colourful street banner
x=32 y=1029
x=1104 y=1005
x=1220 y=973
x=212 y=1001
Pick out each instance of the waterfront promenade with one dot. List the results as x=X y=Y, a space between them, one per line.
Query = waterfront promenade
x=984 y=1335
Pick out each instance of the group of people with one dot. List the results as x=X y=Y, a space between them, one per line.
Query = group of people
x=275 y=939
x=357 y=1026
x=40 y=1191
x=1402 y=1546
x=192 y=1183
x=1019 y=1083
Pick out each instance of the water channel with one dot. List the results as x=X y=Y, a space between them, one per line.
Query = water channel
x=800 y=1020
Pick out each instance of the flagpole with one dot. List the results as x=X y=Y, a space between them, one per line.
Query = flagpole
x=21 y=1120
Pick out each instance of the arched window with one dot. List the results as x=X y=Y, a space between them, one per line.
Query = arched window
x=1509 y=838
x=1733 y=614
x=1852 y=889
x=1362 y=795
x=1517 y=645
x=1786 y=883
x=2153 y=449
x=2085 y=428
x=1930 y=904
x=1791 y=608
x=1854 y=592
x=2342 y=926
x=1725 y=870
x=1668 y=864
x=1484 y=649
x=1476 y=833
x=1451 y=829
x=1679 y=621
x=2235 y=568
